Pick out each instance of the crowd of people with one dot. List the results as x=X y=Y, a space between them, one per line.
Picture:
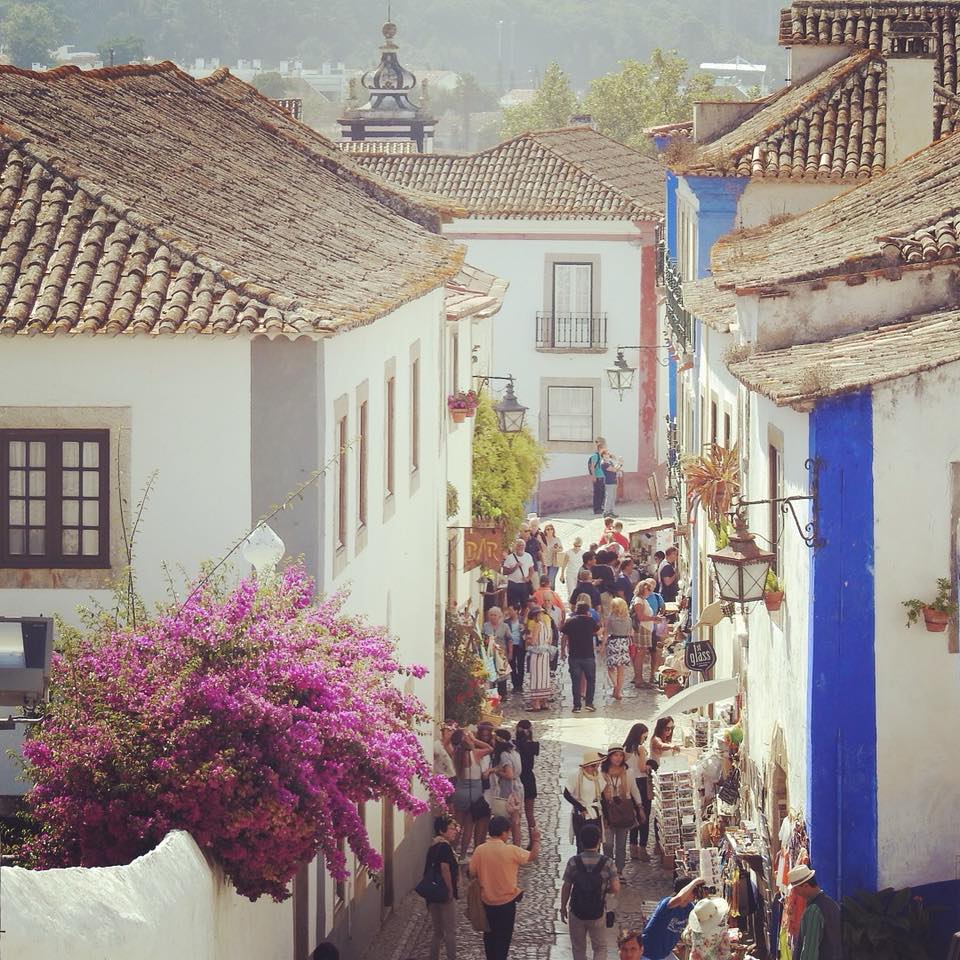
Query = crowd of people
x=619 y=616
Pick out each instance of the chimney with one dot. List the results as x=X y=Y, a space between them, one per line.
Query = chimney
x=713 y=118
x=582 y=120
x=910 y=77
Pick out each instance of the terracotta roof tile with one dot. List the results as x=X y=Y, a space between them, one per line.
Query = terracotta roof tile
x=867 y=24
x=833 y=127
x=849 y=234
x=716 y=308
x=937 y=241
x=136 y=199
x=807 y=372
x=574 y=173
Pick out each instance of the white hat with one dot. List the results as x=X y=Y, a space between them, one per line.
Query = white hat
x=709 y=916
x=800 y=875
x=710 y=615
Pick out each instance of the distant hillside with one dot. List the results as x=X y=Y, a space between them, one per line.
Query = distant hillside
x=586 y=37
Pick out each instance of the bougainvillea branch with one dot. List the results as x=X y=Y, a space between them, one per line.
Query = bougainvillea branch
x=255 y=720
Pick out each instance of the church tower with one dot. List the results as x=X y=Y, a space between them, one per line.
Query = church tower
x=390 y=120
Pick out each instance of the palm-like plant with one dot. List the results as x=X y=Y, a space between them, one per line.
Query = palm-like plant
x=713 y=480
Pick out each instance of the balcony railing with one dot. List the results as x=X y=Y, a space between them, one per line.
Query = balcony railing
x=679 y=322
x=570 y=331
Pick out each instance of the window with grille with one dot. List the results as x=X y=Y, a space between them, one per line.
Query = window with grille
x=573 y=289
x=362 y=458
x=570 y=414
x=54 y=498
x=343 y=442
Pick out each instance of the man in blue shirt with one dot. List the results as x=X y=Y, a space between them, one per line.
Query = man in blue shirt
x=666 y=923
x=595 y=470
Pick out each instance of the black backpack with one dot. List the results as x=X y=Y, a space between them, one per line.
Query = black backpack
x=589 y=889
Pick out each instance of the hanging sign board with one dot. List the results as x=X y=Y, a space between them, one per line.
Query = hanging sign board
x=483 y=547
x=700 y=656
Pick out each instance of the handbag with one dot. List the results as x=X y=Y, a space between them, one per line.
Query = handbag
x=475 y=910
x=479 y=809
x=432 y=887
x=620 y=813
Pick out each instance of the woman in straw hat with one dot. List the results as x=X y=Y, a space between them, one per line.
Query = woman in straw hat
x=584 y=792
x=707 y=932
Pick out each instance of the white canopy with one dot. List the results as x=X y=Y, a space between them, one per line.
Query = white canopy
x=700 y=695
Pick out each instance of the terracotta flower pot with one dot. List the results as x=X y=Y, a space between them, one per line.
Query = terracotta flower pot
x=458 y=414
x=471 y=411
x=671 y=689
x=935 y=620
x=772 y=600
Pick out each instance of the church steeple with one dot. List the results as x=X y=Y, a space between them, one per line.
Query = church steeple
x=390 y=115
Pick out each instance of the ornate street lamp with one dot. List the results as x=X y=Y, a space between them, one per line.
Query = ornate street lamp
x=621 y=375
x=741 y=567
x=510 y=412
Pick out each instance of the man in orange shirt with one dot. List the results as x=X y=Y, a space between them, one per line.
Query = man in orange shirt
x=496 y=865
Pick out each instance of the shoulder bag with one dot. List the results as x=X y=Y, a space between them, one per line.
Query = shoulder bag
x=432 y=887
x=476 y=913
x=620 y=811
x=479 y=809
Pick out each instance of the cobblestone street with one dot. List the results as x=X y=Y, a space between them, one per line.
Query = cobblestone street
x=563 y=737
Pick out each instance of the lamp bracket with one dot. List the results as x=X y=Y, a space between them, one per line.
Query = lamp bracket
x=809 y=532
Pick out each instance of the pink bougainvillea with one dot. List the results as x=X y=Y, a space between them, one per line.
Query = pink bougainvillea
x=257 y=721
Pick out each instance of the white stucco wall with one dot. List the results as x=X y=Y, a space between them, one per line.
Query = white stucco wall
x=168 y=903
x=918 y=709
x=188 y=400
x=517 y=251
x=763 y=200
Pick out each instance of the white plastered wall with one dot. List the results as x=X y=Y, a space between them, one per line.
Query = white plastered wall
x=918 y=708
x=766 y=200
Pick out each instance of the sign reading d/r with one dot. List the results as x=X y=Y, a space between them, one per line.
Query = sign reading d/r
x=700 y=656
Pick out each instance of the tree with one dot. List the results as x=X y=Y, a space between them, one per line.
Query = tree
x=29 y=33
x=271 y=84
x=255 y=719
x=641 y=95
x=505 y=469
x=552 y=106
x=125 y=50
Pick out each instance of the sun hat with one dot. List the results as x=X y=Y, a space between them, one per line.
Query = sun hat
x=709 y=916
x=800 y=875
x=616 y=748
x=590 y=757
x=710 y=615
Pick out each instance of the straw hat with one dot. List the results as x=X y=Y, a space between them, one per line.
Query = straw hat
x=800 y=875
x=590 y=757
x=709 y=916
x=710 y=615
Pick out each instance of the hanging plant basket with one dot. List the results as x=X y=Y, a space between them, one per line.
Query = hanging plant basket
x=935 y=620
x=458 y=414
x=773 y=600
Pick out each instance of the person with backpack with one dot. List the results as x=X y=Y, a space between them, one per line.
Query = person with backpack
x=595 y=472
x=439 y=887
x=589 y=878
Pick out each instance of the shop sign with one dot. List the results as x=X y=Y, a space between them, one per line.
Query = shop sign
x=700 y=656
x=483 y=547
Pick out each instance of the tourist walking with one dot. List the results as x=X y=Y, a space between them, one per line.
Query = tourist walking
x=604 y=580
x=571 y=563
x=548 y=599
x=481 y=819
x=635 y=747
x=506 y=788
x=467 y=801
x=611 y=468
x=588 y=880
x=443 y=914
x=622 y=806
x=529 y=750
x=584 y=792
x=540 y=652
x=629 y=945
x=577 y=641
x=585 y=587
x=820 y=936
x=498 y=647
x=496 y=865
x=616 y=645
x=662 y=931
x=595 y=471
x=518 y=650
x=668 y=576
x=517 y=567
x=647 y=611
x=552 y=553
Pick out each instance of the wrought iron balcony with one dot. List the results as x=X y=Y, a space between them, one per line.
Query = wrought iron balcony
x=661 y=257
x=571 y=331
x=679 y=322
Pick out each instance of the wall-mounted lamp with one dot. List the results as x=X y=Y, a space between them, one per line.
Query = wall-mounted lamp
x=620 y=375
x=510 y=412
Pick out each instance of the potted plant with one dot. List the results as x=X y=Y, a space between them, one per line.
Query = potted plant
x=772 y=592
x=936 y=613
x=671 y=680
x=462 y=404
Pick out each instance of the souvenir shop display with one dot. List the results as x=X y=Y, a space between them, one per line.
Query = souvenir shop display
x=679 y=821
x=786 y=908
x=704 y=731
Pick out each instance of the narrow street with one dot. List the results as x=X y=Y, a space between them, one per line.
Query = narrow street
x=539 y=934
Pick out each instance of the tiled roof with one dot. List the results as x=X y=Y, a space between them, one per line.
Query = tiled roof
x=833 y=127
x=840 y=237
x=474 y=293
x=938 y=241
x=808 y=372
x=868 y=25
x=137 y=199
x=574 y=174
x=716 y=308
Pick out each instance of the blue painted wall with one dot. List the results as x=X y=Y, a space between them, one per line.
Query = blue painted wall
x=841 y=689
x=717 y=214
x=670 y=214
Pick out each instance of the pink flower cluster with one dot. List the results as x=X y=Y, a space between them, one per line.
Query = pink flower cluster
x=257 y=721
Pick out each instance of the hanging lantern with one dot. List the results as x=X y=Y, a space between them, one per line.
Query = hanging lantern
x=741 y=567
x=510 y=412
x=620 y=375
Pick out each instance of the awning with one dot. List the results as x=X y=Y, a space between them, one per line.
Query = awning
x=701 y=695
